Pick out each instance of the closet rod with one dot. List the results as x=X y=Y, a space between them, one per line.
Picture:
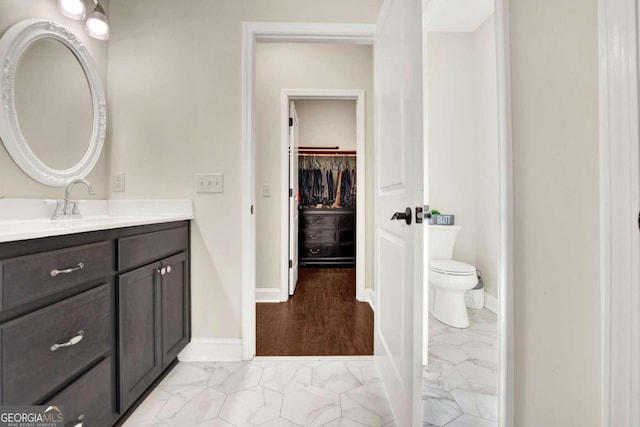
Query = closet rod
x=319 y=148
x=325 y=154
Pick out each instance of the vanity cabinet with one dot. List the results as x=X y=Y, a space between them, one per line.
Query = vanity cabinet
x=91 y=321
x=139 y=327
x=87 y=401
x=153 y=323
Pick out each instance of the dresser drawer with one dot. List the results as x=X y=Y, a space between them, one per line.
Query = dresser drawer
x=347 y=221
x=347 y=236
x=318 y=236
x=310 y=221
x=347 y=250
x=88 y=400
x=139 y=250
x=31 y=277
x=318 y=250
x=32 y=367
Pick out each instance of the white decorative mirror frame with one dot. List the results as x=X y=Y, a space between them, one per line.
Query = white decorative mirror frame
x=13 y=44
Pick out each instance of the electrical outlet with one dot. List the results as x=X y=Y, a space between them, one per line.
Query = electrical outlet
x=266 y=190
x=209 y=183
x=117 y=182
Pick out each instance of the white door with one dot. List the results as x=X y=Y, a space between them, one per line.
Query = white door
x=293 y=198
x=398 y=185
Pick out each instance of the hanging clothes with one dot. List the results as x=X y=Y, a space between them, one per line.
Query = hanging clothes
x=336 y=204
x=326 y=181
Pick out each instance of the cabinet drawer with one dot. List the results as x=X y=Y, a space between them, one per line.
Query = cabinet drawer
x=31 y=368
x=318 y=236
x=142 y=249
x=88 y=399
x=31 y=277
x=347 y=236
x=347 y=250
x=318 y=251
x=347 y=221
x=318 y=221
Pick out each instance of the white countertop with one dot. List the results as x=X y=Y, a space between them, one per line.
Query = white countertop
x=23 y=219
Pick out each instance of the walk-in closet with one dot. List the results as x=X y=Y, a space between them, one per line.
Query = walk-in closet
x=327 y=184
x=320 y=315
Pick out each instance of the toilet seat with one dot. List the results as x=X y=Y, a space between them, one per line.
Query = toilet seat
x=451 y=267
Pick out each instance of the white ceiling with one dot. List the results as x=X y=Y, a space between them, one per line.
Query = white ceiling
x=456 y=16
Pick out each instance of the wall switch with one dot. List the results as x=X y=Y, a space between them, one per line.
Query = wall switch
x=209 y=183
x=217 y=183
x=266 y=190
x=117 y=182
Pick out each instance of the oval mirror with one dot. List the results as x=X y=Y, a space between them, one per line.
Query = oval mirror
x=53 y=112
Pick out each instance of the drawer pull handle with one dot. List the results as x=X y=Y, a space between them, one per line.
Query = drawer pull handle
x=314 y=222
x=314 y=251
x=78 y=422
x=78 y=267
x=73 y=341
x=314 y=236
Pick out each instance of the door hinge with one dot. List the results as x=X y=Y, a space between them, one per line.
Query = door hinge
x=291 y=192
x=251 y=209
x=290 y=121
x=290 y=263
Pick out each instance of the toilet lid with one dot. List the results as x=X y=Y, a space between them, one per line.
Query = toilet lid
x=455 y=268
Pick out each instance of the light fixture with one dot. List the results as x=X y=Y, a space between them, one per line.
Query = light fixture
x=97 y=23
x=73 y=9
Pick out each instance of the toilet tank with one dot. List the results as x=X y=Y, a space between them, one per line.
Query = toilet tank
x=442 y=239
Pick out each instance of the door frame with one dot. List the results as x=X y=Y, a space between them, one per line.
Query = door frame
x=619 y=204
x=365 y=34
x=273 y=32
x=287 y=95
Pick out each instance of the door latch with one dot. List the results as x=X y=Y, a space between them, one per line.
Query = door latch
x=421 y=215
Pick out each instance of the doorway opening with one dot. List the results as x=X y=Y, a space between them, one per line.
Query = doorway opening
x=311 y=205
x=469 y=239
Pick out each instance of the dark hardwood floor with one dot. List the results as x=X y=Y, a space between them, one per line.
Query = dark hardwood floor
x=322 y=318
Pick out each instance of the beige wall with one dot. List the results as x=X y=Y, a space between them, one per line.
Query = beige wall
x=554 y=63
x=303 y=66
x=487 y=158
x=175 y=93
x=328 y=122
x=463 y=142
x=13 y=181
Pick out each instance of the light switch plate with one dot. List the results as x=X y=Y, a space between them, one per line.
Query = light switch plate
x=117 y=182
x=266 y=190
x=209 y=183
x=217 y=183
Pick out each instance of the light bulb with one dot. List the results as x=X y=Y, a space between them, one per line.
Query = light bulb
x=73 y=9
x=97 y=24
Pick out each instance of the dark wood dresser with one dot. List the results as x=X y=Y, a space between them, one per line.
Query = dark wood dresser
x=327 y=237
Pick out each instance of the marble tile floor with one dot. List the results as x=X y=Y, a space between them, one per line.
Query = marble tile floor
x=269 y=393
x=460 y=383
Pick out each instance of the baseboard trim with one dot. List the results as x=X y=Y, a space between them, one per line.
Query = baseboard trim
x=212 y=350
x=491 y=303
x=268 y=294
x=370 y=297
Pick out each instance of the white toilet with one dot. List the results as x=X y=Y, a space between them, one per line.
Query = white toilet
x=448 y=279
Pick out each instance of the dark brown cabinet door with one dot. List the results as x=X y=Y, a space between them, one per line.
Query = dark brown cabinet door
x=175 y=307
x=140 y=356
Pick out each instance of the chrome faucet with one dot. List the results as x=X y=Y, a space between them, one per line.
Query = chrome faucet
x=67 y=208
